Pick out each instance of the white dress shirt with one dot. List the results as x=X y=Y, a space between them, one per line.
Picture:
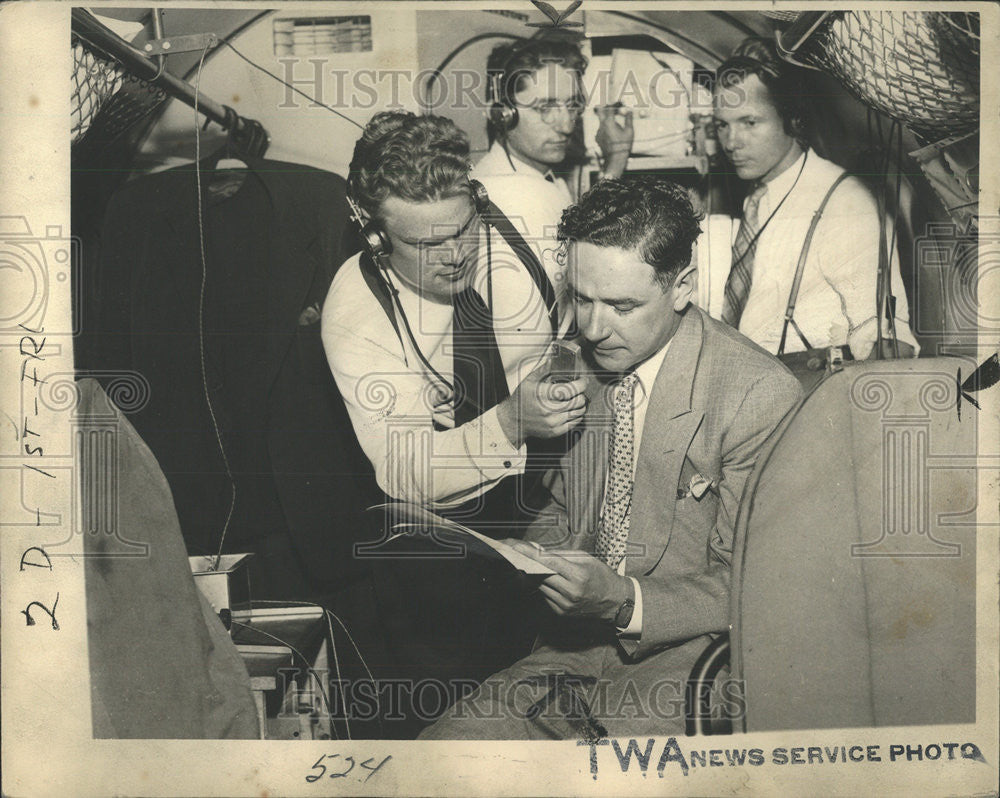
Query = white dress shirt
x=837 y=297
x=390 y=396
x=646 y=372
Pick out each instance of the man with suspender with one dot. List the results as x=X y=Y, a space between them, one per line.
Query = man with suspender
x=413 y=332
x=808 y=246
x=437 y=334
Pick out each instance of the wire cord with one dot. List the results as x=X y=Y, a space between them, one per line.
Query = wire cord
x=333 y=648
x=290 y=86
x=201 y=315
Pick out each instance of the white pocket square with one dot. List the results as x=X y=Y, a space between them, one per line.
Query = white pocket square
x=699 y=485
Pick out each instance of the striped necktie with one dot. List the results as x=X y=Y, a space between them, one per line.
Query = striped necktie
x=612 y=530
x=741 y=272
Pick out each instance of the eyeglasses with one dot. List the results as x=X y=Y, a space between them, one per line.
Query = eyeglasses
x=452 y=234
x=549 y=110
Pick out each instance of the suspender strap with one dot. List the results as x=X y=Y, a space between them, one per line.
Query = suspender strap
x=495 y=217
x=884 y=300
x=378 y=286
x=801 y=267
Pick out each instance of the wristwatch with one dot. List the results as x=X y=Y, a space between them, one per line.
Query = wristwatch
x=624 y=615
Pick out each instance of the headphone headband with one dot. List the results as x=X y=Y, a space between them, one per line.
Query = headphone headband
x=503 y=114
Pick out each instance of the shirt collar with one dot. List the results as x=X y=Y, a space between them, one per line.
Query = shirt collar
x=516 y=165
x=783 y=183
x=647 y=371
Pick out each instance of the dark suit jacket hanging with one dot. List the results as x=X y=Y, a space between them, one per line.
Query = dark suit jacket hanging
x=146 y=318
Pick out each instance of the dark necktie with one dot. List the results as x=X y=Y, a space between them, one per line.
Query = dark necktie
x=612 y=530
x=741 y=272
x=480 y=381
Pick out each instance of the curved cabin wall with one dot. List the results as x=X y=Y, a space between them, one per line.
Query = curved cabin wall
x=300 y=131
x=406 y=45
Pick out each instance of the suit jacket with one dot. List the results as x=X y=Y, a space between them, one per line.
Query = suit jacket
x=716 y=399
x=145 y=318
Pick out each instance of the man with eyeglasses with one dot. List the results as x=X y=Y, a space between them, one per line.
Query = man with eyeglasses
x=536 y=99
x=437 y=335
x=395 y=325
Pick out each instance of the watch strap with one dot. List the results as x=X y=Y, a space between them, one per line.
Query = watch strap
x=624 y=615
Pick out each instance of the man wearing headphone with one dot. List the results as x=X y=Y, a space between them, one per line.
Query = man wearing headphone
x=760 y=124
x=440 y=273
x=437 y=334
x=534 y=87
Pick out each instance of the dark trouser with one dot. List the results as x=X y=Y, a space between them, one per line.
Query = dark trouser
x=449 y=622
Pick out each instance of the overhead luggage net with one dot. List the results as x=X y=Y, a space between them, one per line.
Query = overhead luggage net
x=106 y=100
x=919 y=67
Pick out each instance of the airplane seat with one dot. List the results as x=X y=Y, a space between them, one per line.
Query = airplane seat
x=162 y=665
x=705 y=709
x=853 y=596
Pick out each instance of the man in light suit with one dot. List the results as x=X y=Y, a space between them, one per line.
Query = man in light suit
x=639 y=522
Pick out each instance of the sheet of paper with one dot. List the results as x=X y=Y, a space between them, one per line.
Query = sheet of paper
x=416 y=517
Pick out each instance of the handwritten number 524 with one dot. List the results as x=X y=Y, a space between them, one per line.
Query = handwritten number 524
x=339 y=774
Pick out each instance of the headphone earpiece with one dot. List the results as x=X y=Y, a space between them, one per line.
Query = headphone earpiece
x=375 y=240
x=480 y=196
x=501 y=115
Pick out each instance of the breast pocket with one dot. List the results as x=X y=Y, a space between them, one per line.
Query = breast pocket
x=697 y=482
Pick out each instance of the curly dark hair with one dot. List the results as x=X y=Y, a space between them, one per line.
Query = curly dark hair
x=644 y=213
x=510 y=65
x=783 y=81
x=415 y=158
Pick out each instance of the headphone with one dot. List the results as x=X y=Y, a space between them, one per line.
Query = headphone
x=782 y=84
x=378 y=245
x=374 y=237
x=502 y=113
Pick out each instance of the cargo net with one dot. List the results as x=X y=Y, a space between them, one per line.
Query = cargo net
x=106 y=100
x=919 y=67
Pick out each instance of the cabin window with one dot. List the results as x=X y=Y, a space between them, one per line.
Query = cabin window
x=307 y=36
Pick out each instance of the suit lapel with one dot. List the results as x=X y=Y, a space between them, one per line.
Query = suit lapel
x=670 y=425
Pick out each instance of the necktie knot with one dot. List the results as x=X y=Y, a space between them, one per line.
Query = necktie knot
x=471 y=312
x=753 y=202
x=740 y=278
x=625 y=393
